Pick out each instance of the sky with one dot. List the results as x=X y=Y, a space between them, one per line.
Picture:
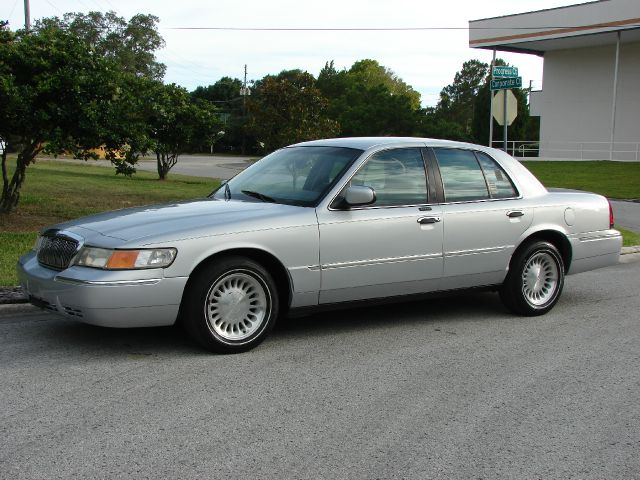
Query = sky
x=426 y=60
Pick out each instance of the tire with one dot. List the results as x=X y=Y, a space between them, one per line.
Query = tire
x=231 y=305
x=535 y=279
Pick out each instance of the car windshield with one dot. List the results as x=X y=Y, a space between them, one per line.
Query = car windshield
x=293 y=175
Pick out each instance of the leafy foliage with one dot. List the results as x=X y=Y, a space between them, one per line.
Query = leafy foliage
x=288 y=108
x=55 y=95
x=457 y=100
x=225 y=96
x=75 y=84
x=131 y=44
x=462 y=112
x=178 y=124
x=369 y=99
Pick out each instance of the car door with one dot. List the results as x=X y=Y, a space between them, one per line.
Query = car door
x=483 y=218
x=391 y=247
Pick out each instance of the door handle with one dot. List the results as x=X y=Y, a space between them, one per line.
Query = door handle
x=427 y=220
x=515 y=213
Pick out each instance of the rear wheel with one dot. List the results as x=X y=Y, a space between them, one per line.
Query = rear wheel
x=535 y=279
x=231 y=305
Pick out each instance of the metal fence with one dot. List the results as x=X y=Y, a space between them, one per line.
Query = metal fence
x=621 y=151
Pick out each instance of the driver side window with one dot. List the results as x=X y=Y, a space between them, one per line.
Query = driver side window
x=397 y=176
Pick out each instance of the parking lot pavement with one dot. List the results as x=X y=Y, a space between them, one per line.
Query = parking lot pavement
x=453 y=387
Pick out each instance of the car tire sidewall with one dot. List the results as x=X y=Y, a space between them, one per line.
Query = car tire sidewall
x=512 y=290
x=196 y=298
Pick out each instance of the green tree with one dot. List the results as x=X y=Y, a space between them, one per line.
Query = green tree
x=288 y=108
x=369 y=99
x=132 y=44
x=225 y=90
x=371 y=74
x=178 y=124
x=433 y=125
x=458 y=99
x=55 y=95
x=225 y=95
x=124 y=133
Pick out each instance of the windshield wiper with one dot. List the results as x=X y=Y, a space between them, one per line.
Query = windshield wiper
x=259 y=196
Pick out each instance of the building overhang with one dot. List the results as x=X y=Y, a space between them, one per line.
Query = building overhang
x=575 y=26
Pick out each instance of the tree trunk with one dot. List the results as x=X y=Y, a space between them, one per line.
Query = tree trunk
x=11 y=188
x=160 y=165
x=165 y=162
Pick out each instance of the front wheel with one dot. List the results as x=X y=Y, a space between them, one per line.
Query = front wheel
x=535 y=279
x=230 y=306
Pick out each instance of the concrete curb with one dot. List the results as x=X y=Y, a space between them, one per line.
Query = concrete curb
x=13 y=296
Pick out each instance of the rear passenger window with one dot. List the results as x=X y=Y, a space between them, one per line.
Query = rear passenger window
x=462 y=177
x=499 y=184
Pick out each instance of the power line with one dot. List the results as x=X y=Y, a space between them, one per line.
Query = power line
x=380 y=29
x=13 y=8
x=61 y=12
x=111 y=5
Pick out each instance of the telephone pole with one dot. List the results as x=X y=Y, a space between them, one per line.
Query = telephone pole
x=27 y=16
x=244 y=91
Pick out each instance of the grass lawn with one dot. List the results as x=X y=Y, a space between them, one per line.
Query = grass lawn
x=619 y=180
x=630 y=239
x=54 y=192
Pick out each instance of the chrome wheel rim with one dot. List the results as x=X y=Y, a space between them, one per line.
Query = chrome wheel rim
x=540 y=279
x=237 y=306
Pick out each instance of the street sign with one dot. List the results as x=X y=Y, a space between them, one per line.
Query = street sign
x=502 y=72
x=504 y=83
x=498 y=107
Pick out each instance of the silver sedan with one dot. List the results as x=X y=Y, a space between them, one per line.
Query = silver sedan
x=321 y=223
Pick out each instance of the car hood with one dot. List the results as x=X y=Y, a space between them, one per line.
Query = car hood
x=187 y=219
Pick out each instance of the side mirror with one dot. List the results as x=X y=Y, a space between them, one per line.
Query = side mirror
x=356 y=196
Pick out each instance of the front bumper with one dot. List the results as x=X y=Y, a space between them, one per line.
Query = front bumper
x=121 y=299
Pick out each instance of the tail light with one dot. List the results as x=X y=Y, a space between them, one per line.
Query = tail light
x=610 y=215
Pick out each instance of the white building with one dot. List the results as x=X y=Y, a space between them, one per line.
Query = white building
x=589 y=105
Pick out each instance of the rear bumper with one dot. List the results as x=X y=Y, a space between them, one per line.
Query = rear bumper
x=595 y=250
x=123 y=299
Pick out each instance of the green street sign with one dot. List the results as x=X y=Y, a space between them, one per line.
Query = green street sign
x=504 y=83
x=505 y=72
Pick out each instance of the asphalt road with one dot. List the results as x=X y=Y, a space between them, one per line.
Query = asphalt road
x=447 y=388
x=627 y=214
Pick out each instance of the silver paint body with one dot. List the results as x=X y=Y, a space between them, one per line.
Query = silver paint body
x=330 y=255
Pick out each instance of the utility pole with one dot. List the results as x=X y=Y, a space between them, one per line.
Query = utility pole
x=493 y=64
x=27 y=16
x=244 y=91
x=506 y=125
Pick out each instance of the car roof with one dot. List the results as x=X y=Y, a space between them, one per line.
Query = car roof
x=365 y=143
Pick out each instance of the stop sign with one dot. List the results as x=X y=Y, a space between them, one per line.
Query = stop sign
x=498 y=107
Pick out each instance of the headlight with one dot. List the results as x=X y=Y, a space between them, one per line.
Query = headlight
x=125 y=259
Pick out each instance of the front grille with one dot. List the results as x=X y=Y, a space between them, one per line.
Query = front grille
x=56 y=251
